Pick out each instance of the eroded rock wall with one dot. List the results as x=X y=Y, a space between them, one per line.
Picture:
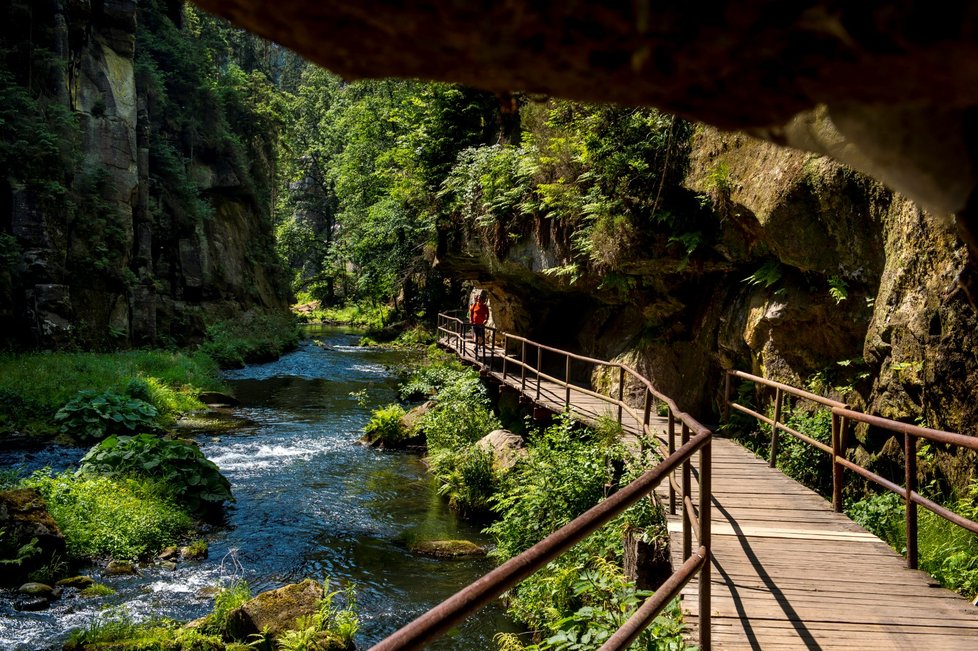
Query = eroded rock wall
x=110 y=266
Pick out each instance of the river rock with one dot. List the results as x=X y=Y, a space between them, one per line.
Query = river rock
x=31 y=604
x=275 y=611
x=115 y=568
x=447 y=548
x=193 y=552
x=168 y=553
x=34 y=589
x=216 y=398
x=24 y=518
x=79 y=582
x=168 y=565
x=505 y=447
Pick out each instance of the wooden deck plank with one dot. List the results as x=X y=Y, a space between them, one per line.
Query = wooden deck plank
x=787 y=571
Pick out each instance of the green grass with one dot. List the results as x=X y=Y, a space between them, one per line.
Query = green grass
x=361 y=315
x=104 y=517
x=34 y=386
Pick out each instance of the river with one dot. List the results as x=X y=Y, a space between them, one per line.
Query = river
x=311 y=502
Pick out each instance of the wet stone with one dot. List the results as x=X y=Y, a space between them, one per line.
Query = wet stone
x=120 y=567
x=32 y=604
x=37 y=590
x=76 y=582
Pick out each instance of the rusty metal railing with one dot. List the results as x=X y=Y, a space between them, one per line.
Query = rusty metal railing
x=842 y=419
x=696 y=517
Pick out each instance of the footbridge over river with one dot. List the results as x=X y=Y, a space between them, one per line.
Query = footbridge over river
x=775 y=564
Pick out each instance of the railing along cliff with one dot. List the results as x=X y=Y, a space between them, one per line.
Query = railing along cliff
x=525 y=372
x=842 y=419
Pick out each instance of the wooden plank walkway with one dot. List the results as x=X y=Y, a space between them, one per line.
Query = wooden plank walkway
x=787 y=571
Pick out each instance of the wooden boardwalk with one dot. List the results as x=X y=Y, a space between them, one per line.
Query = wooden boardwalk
x=787 y=571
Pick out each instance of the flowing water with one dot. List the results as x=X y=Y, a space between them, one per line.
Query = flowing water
x=311 y=502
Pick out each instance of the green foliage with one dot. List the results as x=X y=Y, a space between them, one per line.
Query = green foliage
x=838 y=289
x=564 y=474
x=231 y=596
x=385 y=426
x=33 y=387
x=103 y=516
x=338 y=624
x=428 y=379
x=250 y=338
x=91 y=416
x=945 y=550
x=97 y=590
x=799 y=460
x=467 y=479
x=14 y=556
x=115 y=629
x=180 y=468
x=767 y=275
x=580 y=599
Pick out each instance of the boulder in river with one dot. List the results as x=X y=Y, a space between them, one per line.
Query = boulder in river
x=34 y=589
x=447 y=548
x=31 y=604
x=30 y=537
x=115 y=568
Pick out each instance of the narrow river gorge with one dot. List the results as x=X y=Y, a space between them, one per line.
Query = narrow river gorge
x=311 y=502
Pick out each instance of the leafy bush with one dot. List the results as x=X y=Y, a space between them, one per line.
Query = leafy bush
x=251 y=338
x=799 y=460
x=180 y=468
x=116 y=629
x=883 y=515
x=385 y=426
x=91 y=415
x=336 y=624
x=580 y=599
x=103 y=516
x=467 y=479
x=563 y=475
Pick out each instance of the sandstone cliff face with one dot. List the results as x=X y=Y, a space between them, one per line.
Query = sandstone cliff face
x=114 y=268
x=812 y=265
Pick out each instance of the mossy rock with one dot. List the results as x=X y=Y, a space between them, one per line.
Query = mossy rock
x=275 y=611
x=79 y=582
x=447 y=548
x=117 y=568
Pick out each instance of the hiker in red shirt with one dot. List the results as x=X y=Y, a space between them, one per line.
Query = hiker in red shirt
x=478 y=315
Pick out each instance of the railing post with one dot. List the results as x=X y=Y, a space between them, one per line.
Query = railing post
x=492 y=350
x=706 y=491
x=778 y=399
x=621 y=390
x=505 y=352
x=687 y=489
x=567 y=382
x=672 y=449
x=523 y=367
x=726 y=395
x=647 y=412
x=539 y=366
x=837 y=452
x=910 y=454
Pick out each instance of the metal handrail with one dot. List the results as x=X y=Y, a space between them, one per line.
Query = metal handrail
x=695 y=438
x=842 y=418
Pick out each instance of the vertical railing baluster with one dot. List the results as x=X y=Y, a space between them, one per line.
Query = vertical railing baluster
x=726 y=395
x=910 y=458
x=523 y=367
x=837 y=453
x=687 y=489
x=778 y=399
x=539 y=366
x=706 y=490
x=647 y=412
x=621 y=390
x=672 y=449
x=505 y=352
x=567 y=361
